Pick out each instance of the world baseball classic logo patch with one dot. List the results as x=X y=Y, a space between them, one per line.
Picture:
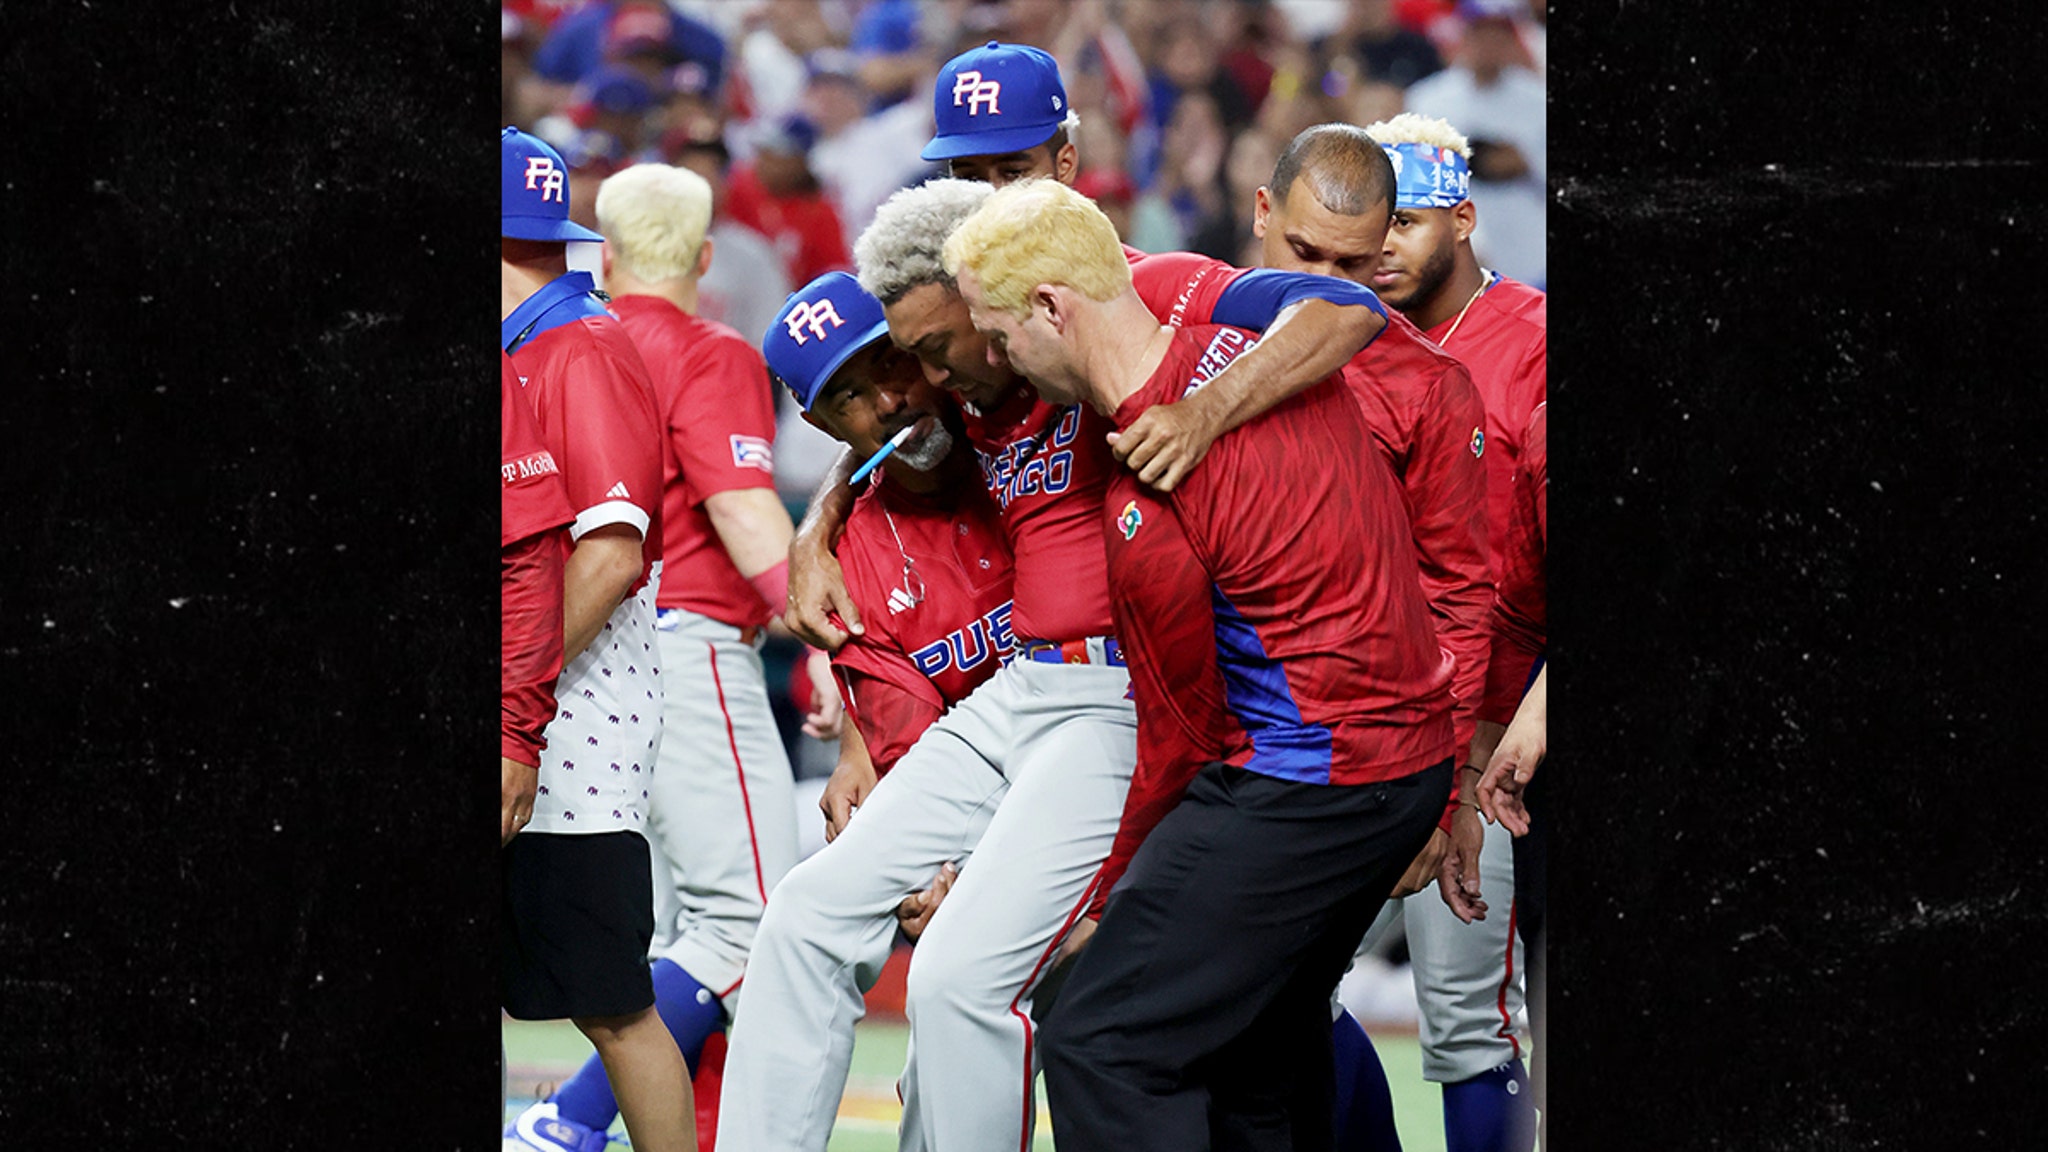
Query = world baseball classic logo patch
x=1130 y=520
x=752 y=452
x=1478 y=442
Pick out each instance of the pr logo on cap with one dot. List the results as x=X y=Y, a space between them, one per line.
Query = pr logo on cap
x=542 y=173
x=812 y=315
x=977 y=92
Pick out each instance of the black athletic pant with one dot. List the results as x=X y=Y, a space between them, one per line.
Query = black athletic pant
x=1199 y=1014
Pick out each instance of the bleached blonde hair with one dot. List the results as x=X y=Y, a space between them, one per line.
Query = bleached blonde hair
x=1415 y=128
x=1038 y=232
x=655 y=217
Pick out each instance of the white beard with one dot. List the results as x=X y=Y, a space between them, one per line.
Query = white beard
x=924 y=455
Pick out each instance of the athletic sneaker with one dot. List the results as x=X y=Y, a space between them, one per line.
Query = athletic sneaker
x=541 y=1127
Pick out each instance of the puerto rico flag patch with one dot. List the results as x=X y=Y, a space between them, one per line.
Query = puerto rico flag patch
x=752 y=452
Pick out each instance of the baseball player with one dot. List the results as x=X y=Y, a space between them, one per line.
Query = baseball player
x=578 y=914
x=1197 y=1014
x=533 y=508
x=1027 y=772
x=1469 y=978
x=1508 y=792
x=721 y=820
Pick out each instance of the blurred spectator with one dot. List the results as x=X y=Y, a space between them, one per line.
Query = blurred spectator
x=861 y=156
x=781 y=35
x=1113 y=192
x=1383 y=48
x=896 y=61
x=1190 y=179
x=1498 y=103
x=779 y=196
x=1251 y=32
x=603 y=129
x=746 y=284
x=517 y=36
x=1249 y=166
x=645 y=36
x=1190 y=61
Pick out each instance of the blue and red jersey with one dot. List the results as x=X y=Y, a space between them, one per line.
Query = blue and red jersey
x=1047 y=467
x=1271 y=606
x=932 y=577
x=1426 y=418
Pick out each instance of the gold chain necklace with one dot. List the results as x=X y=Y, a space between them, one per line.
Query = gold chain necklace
x=1486 y=278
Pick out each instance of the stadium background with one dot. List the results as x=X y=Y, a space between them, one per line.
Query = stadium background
x=805 y=114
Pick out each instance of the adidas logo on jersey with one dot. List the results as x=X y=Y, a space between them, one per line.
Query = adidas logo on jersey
x=900 y=600
x=618 y=492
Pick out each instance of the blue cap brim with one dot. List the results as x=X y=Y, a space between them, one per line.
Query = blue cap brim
x=543 y=228
x=988 y=143
x=878 y=330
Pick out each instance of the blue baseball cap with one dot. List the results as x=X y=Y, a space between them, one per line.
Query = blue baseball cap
x=996 y=99
x=535 y=203
x=819 y=328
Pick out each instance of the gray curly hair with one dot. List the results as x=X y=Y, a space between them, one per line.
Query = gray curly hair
x=901 y=250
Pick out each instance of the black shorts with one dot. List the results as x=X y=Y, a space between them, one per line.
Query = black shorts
x=574 y=926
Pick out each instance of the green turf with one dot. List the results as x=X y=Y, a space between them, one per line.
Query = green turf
x=550 y=1051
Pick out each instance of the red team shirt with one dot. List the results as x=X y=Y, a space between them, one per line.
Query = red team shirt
x=1503 y=341
x=718 y=435
x=1423 y=412
x=1270 y=606
x=533 y=507
x=1520 y=608
x=596 y=411
x=1047 y=468
x=921 y=654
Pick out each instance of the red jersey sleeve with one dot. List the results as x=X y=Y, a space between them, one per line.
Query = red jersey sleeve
x=1180 y=288
x=890 y=716
x=533 y=507
x=1444 y=488
x=723 y=426
x=1520 y=611
x=530 y=643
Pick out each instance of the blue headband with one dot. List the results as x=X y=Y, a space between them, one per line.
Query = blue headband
x=1426 y=176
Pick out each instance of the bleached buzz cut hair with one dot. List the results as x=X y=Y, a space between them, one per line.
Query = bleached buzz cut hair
x=1038 y=232
x=902 y=249
x=1415 y=128
x=654 y=216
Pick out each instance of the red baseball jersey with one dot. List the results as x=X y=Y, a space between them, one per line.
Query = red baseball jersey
x=1271 y=606
x=1429 y=423
x=718 y=435
x=597 y=414
x=533 y=509
x=1503 y=342
x=1047 y=468
x=932 y=577
x=1521 y=620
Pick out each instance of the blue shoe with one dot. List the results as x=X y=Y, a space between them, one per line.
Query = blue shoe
x=541 y=1127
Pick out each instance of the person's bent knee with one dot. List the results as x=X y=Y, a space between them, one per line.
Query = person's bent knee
x=602 y=1031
